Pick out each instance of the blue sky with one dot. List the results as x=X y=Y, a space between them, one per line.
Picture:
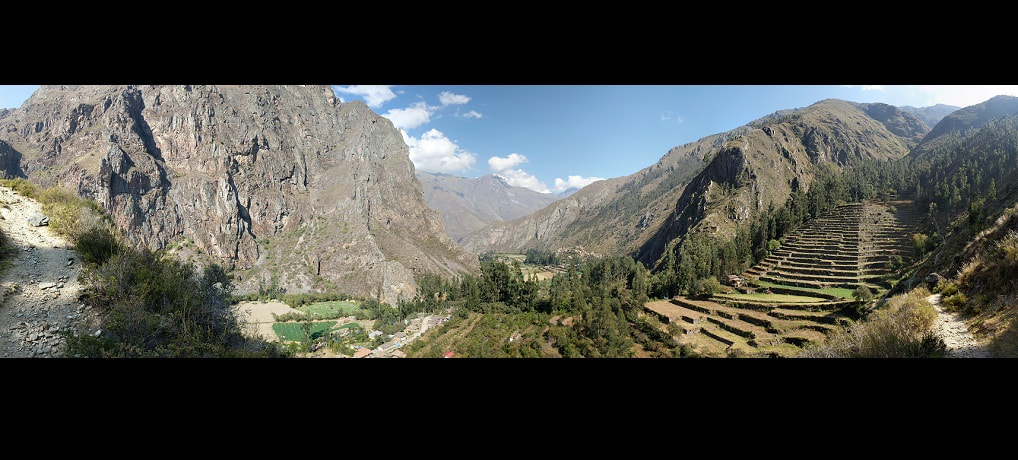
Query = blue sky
x=549 y=138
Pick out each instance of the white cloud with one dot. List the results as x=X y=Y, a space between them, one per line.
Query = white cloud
x=666 y=115
x=511 y=161
x=965 y=95
x=521 y=178
x=411 y=117
x=472 y=114
x=448 y=98
x=434 y=152
x=506 y=169
x=374 y=95
x=873 y=87
x=679 y=120
x=573 y=181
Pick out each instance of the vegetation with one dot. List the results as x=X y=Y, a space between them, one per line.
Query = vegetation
x=862 y=294
x=302 y=331
x=539 y=257
x=603 y=297
x=155 y=306
x=149 y=305
x=904 y=328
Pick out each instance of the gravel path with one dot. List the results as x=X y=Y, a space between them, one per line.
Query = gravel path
x=960 y=342
x=40 y=290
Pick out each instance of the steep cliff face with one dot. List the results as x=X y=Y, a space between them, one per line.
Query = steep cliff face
x=281 y=182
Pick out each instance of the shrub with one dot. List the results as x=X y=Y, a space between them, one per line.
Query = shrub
x=862 y=294
x=22 y=186
x=1007 y=250
x=946 y=288
x=773 y=245
x=708 y=287
x=955 y=302
x=903 y=329
x=98 y=245
x=160 y=307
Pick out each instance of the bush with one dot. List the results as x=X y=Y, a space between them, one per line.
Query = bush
x=708 y=287
x=1007 y=250
x=946 y=288
x=862 y=294
x=151 y=306
x=772 y=245
x=22 y=186
x=98 y=245
x=903 y=329
x=955 y=302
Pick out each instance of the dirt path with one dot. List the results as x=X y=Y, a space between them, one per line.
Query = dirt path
x=41 y=286
x=960 y=342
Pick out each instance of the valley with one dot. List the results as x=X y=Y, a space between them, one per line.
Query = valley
x=283 y=221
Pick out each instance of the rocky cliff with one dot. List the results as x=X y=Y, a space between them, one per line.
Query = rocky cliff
x=283 y=183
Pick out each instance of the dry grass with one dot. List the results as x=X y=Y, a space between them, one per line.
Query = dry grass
x=904 y=328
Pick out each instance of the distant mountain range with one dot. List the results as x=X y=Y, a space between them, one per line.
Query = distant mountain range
x=467 y=205
x=930 y=115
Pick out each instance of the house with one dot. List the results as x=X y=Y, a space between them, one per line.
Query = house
x=448 y=354
x=400 y=336
x=374 y=334
x=734 y=280
x=387 y=346
x=362 y=352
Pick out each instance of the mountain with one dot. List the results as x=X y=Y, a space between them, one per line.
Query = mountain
x=568 y=191
x=712 y=184
x=468 y=205
x=284 y=184
x=930 y=115
x=609 y=216
x=974 y=116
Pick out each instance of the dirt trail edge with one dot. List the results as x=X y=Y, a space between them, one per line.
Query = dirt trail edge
x=960 y=342
x=40 y=290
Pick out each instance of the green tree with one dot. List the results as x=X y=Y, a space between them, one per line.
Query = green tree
x=920 y=242
x=862 y=294
x=708 y=287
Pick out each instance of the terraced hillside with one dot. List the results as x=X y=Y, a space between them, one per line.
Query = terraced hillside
x=802 y=290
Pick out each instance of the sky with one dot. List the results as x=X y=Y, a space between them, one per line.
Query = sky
x=552 y=138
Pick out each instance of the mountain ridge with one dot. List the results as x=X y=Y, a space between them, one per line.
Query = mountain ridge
x=468 y=205
x=285 y=184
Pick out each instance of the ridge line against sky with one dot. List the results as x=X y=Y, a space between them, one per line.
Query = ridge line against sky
x=553 y=138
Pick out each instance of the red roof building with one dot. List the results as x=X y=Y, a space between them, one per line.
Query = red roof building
x=448 y=354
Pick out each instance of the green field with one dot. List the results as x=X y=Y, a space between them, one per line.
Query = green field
x=783 y=298
x=330 y=310
x=293 y=331
x=840 y=292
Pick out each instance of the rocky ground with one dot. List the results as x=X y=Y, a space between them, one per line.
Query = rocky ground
x=40 y=289
x=960 y=342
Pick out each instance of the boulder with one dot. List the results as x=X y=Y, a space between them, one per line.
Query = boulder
x=38 y=220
